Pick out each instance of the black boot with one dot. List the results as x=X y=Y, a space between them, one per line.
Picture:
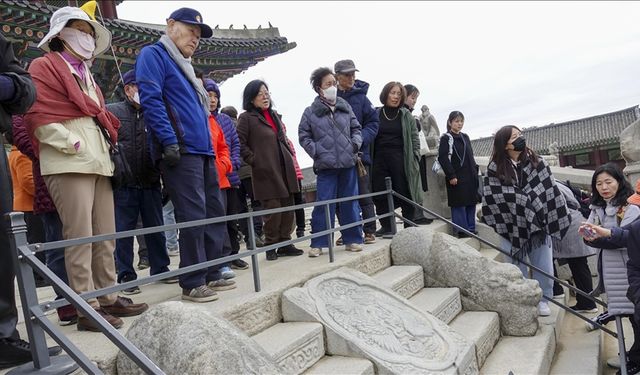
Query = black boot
x=272 y=255
x=290 y=251
x=14 y=352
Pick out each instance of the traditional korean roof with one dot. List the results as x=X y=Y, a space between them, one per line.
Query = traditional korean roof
x=219 y=57
x=595 y=131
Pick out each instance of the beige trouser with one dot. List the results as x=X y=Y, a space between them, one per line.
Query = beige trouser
x=85 y=206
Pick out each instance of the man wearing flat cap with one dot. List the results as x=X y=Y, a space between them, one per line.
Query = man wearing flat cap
x=140 y=197
x=176 y=107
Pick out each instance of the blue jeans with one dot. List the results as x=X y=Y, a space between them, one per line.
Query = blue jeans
x=129 y=204
x=332 y=184
x=541 y=257
x=194 y=190
x=169 y=218
x=464 y=216
x=53 y=232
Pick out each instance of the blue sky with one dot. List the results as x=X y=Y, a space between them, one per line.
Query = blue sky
x=522 y=63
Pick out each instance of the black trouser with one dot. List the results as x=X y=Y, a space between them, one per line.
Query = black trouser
x=390 y=163
x=8 y=311
x=246 y=190
x=35 y=234
x=298 y=198
x=582 y=279
x=232 y=207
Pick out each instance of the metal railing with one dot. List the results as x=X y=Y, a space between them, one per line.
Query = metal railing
x=34 y=312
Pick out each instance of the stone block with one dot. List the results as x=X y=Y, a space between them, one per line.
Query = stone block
x=522 y=355
x=186 y=339
x=294 y=346
x=404 y=280
x=443 y=303
x=481 y=328
x=485 y=285
x=341 y=365
x=473 y=242
x=370 y=263
x=363 y=319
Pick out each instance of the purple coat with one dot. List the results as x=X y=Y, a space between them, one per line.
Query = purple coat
x=42 y=201
x=231 y=137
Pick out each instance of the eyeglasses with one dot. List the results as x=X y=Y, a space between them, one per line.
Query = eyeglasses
x=265 y=94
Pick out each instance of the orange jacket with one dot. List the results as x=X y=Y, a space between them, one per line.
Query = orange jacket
x=22 y=178
x=223 y=160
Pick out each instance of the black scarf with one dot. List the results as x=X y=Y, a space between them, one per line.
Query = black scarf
x=525 y=214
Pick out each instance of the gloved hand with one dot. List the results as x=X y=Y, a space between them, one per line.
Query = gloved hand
x=171 y=154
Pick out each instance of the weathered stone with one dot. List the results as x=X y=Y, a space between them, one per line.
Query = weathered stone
x=362 y=319
x=341 y=365
x=630 y=150
x=481 y=328
x=443 y=303
x=186 y=339
x=485 y=285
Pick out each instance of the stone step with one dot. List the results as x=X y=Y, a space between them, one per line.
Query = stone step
x=522 y=355
x=579 y=351
x=481 y=328
x=438 y=226
x=294 y=346
x=491 y=253
x=404 y=280
x=556 y=318
x=473 y=242
x=341 y=365
x=443 y=303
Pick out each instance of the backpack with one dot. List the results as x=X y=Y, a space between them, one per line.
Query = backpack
x=436 y=164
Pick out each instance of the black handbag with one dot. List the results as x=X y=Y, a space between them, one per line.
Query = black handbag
x=121 y=171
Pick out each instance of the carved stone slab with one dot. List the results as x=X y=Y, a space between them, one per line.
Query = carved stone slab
x=363 y=319
x=294 y=346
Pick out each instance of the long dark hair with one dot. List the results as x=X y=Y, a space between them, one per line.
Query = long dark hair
x=499 y=155
x=625 y=190
x=251 y=90
x=452 y=116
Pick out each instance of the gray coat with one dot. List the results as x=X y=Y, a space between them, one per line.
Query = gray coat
x=612 y=263
x=332 y=139
x=572 y=245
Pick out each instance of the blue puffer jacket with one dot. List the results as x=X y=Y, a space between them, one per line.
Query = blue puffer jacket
x=331 y=139
x=231 y=137
x=172 y=110
x=365 y=113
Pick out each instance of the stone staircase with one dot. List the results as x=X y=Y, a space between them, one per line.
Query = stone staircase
x=300 y=349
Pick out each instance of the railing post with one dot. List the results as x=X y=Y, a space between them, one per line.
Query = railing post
x=254 y=257
x=17 y=230
x=327 y=218
x=392 y=210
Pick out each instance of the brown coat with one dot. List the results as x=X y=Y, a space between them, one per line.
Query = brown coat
x=269 y=155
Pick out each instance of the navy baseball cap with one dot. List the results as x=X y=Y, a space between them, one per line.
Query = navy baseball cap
x=192 y=17
x=129 y=77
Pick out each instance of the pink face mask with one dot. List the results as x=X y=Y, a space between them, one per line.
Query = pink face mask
x=81 y=43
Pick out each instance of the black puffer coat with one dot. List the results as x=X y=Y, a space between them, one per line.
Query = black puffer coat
x=132 y=139
x=461 y=166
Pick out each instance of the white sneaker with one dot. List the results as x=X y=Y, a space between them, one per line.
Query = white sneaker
x=315 y=252
x=353 y=247
x=591 y=327
x=543 y=309
x=174 y=252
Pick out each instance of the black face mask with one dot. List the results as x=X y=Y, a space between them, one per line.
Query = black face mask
x=519 y=144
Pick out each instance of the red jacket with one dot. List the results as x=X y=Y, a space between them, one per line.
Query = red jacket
x=223 y=161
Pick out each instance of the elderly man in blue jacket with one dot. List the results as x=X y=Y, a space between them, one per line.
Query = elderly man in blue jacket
x=354 y=91
x=176 y=108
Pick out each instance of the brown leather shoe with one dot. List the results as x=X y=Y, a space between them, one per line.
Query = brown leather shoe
x=85 y=324
x=125 y=307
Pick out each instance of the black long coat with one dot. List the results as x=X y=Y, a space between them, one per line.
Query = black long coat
x=269 y=155
x=465 y=193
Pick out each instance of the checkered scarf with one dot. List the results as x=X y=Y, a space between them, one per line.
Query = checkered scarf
x=525 y=214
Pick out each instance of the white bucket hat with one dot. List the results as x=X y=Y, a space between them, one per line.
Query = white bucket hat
x=59 y=20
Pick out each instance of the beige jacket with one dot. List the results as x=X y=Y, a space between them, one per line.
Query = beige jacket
x=57 y=152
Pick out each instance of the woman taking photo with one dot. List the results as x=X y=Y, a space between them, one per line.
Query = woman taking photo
x=330 y=133
x=396 y=154
x=265 y=147
x=521 y=202
x=74 y=155
x=455 y=155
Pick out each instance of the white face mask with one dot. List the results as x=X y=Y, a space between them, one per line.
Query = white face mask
x=81 y=43
x=330 y=94
x=136 y=98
